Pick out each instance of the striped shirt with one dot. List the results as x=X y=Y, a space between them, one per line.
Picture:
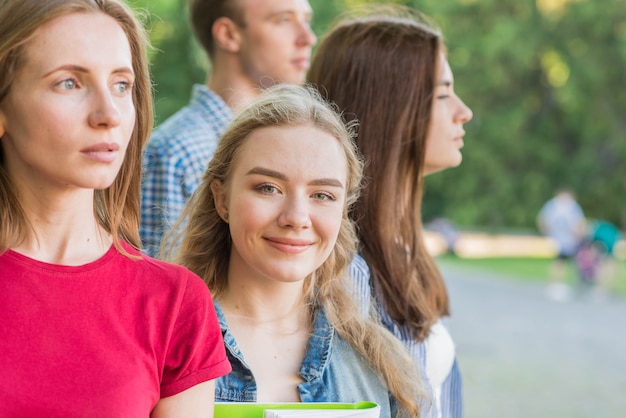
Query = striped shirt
x=177 y=155
x=451 y=394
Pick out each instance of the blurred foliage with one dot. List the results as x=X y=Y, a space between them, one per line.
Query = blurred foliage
x=177 y=59
x=546 y=80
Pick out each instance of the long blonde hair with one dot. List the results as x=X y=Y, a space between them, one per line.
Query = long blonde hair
x=204 y=244
x=116 y=207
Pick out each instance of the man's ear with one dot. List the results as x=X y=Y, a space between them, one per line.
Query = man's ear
x=226 y=35
x=219 y=197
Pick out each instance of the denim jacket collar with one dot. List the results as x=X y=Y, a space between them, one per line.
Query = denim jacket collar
x=315 y=362
x=332 y=371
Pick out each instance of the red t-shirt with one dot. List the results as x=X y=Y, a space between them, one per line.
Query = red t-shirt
x=106 y=339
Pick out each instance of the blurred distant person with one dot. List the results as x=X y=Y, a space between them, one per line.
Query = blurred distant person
x=563 y=220
x=588 y=257
x=604 y=235
x=252 y=44
x=448 y=232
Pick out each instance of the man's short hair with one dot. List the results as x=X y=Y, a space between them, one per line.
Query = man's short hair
x=204 y=13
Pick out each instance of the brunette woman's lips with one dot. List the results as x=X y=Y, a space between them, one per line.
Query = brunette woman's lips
x=459 y=139
x=289 y=246
x=104 y=152
x=302 y=63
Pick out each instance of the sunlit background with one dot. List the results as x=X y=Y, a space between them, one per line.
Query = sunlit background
x=546 y=80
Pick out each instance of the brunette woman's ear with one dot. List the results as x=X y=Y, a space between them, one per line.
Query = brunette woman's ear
x=226 y=35
x=219 y=197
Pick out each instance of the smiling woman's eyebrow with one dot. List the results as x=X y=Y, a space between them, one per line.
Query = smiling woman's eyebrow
x=327 y=182
x=267 y=172
x=280 y=176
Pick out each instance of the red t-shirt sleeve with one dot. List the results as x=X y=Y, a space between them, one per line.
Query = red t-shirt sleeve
x=195 y=353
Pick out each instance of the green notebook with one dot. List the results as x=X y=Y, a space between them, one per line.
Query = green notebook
x=308 y=409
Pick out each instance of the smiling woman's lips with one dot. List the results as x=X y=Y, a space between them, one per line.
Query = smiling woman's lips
x=289 y=246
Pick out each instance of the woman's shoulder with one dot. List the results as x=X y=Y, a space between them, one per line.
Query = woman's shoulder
x=143 y=267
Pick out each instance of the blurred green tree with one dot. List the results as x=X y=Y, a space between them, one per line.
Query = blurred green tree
x=546 y=81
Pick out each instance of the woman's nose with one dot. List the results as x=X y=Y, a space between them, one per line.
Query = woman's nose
x=104 y=112
x=295 y=213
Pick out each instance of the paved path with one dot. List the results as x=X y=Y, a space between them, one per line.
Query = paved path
x=524 y=356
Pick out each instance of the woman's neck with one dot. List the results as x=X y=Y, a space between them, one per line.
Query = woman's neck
x=261 y=299
x=272 y=330
x=281 y=312
x=64 y=229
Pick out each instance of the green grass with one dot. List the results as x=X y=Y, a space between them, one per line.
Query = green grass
x=535 y=269
x=528 y=269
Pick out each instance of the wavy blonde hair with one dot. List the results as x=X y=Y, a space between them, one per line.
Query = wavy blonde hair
x=116 y=207
x=204 y=244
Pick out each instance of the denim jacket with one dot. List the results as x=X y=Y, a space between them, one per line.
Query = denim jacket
x=332 y=371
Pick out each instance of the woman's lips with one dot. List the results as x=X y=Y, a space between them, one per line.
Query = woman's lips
x=103 y=152
x=289 y=246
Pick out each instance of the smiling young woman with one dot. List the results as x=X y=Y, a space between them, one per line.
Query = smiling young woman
x=268 y=230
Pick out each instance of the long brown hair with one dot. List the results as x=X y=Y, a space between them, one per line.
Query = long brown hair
x=382 y=69
x=116 y=207
x=204 y=244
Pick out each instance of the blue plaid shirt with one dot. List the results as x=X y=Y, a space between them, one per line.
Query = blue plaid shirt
x=174 y=161
x=451 y=394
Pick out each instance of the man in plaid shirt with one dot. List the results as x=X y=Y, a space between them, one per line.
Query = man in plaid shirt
x=251 y=44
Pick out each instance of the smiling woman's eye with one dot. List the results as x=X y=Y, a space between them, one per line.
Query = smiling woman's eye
x=324 y=196
x=267 y=188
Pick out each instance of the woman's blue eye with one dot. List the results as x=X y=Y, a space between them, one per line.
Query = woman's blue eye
x=123 y=86
x=68 y=84
x=267 y=188
x=324 y=196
